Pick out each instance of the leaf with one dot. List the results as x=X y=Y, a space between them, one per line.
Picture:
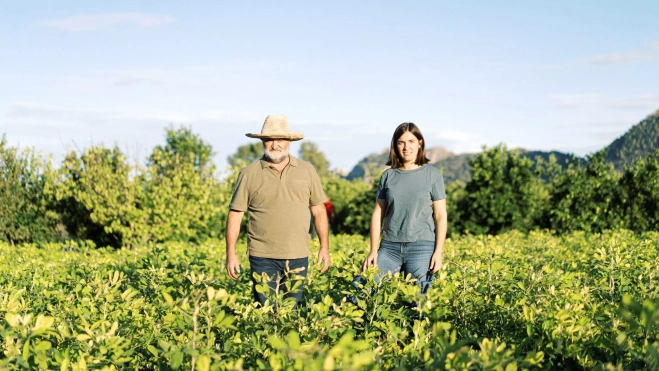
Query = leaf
x=26 y=350
x=12 y=319
x=203 y=363
x=65 y=364
x=42 y=346
x=152 y=350
x=43 y=323
x=177 y=359
x=294 y=340
x=168 y=298
x=328 y=364
x=276 y=342
x=115 y=326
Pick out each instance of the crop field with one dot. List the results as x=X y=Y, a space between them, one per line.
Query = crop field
x=511 y=302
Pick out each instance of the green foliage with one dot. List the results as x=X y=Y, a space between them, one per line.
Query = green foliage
x=184 y=201
x=177 y=197
x=354 y=215
x=186 y=145
x=586 y=197
x=101 y=198
x=504 y=193
x=456 y=196
x=342 y=192
x=310 y=153
x=246 y=154
x=641 y=183
x=26 y=194
x=512 y=301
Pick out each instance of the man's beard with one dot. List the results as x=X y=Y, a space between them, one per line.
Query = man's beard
x=275 y=157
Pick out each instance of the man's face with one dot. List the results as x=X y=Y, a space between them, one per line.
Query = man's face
x=276 y=150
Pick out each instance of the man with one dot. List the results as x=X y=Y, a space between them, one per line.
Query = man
x=277 y=191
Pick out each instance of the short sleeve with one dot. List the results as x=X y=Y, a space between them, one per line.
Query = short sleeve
x=240 y=197
x=437 y=191
x=382 y=188
x=317 y=196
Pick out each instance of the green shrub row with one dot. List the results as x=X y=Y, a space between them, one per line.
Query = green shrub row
x=513 y=301
x=99 y=194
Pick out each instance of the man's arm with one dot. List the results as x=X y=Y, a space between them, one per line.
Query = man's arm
x=320 y=221
x=232 y=232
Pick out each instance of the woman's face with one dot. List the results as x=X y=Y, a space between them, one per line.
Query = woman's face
x=408 y=147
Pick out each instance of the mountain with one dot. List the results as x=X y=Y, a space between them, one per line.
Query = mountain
x=457 y=167
x=377 y=161
x=366 y=166
x=454 y=167
x=638 y=141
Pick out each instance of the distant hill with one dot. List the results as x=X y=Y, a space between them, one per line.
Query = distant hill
x=377 y=161
x=457 y=167
x=366 y=166
x=454 y=167
x=638 y=141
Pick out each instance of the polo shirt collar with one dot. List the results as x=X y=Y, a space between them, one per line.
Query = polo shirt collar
x=292 y=161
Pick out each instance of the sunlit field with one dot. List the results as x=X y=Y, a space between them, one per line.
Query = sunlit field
x=509 y=302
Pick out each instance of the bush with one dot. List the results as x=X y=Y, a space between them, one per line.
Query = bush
x=505 y=193
x=176 y=197
x=641 y=183
x=353 y=201
x=26 y=194
x=102 y=198
x=586 y=197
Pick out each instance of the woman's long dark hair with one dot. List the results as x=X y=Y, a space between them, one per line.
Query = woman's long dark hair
x=395 y=159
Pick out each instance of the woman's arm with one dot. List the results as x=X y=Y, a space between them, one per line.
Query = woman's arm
x=376 y=224
x=441 y=224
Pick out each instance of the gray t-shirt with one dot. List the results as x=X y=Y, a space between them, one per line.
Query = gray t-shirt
x=409 y=195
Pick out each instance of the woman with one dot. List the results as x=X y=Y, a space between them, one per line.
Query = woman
x=411 y=202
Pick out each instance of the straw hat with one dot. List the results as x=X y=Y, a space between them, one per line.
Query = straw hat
x=276 y=127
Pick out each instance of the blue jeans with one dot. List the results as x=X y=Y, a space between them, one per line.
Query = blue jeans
x=410 y=258
x=278 y=273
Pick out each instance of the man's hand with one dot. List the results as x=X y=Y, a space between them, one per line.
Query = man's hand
x=436 y=262
x=371 y=260
x=233 y=268
x=324 y=257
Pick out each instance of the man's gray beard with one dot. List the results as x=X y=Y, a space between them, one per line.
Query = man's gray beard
x=275 y=160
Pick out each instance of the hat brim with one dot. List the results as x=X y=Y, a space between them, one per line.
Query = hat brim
x=292 y=136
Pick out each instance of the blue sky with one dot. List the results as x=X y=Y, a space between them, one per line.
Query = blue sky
x=552 y=75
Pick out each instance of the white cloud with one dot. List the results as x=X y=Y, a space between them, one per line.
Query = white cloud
x=596 y=100
x=576 y=100
x=618 y=58
x=456 y=141
x=644 y=54
x=649 y=101
x=91 y=22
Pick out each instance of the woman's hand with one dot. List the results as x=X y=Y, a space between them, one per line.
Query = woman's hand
x=371 y=260
x=436 y=261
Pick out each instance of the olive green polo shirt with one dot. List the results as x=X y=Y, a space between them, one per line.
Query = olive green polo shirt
x=278 y=207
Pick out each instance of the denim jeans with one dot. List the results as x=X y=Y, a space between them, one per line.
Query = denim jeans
x=277 y=271
x=410 y=258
